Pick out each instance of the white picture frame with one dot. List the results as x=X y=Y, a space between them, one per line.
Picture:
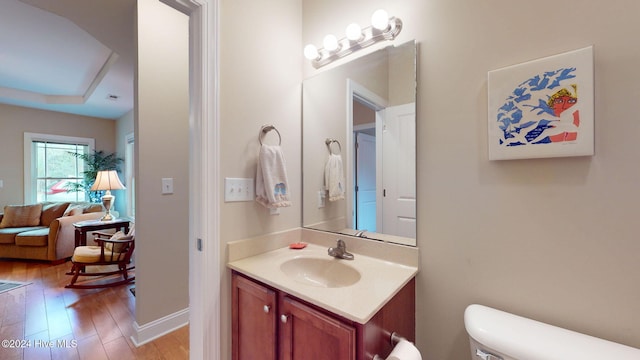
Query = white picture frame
x=542 y=108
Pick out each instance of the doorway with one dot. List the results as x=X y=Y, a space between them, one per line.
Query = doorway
x=364 y=134
x=204 y=242
x=391 y=130
x=365 y=111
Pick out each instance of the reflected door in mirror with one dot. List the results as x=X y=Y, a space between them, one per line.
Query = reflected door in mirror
x=399 y=171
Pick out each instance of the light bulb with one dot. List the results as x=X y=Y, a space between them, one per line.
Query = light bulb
x=353 y=32
x=330 y=42
x=311 y=52
x=380 y=19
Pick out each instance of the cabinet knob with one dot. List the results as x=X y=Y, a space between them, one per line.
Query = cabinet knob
x=284 y=318
x=266 y=309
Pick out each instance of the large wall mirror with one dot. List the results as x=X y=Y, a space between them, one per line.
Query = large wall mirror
x=359 y=141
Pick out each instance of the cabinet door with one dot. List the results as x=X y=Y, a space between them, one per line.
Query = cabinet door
x=307 y=334
x=253 y=320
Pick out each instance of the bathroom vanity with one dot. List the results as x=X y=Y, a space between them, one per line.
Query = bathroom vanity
x=271 y=324
x=306 y=305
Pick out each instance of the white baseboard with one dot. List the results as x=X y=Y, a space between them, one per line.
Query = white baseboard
x=155 y=329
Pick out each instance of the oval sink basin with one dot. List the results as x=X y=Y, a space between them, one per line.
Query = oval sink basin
x=329 y=273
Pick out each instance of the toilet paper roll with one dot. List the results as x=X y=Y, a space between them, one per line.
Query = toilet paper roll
x=404 y=350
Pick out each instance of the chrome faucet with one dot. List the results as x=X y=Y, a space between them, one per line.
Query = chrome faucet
x=340 y=251
x=361 y=234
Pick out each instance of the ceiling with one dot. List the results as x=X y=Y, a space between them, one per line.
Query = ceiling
x=68 y=56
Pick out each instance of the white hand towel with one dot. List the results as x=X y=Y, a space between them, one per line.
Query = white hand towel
x=334 y=177
x=272 y=186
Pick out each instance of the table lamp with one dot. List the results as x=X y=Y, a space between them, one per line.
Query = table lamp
x=107 y=180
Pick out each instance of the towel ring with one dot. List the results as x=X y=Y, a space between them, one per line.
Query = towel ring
x=265 y=129
x=331 y=141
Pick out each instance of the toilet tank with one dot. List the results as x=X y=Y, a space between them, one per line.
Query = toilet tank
x=495 y=335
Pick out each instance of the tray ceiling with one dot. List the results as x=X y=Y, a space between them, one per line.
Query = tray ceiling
x=68 y=56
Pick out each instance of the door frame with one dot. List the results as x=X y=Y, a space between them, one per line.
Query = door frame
x=204 y=169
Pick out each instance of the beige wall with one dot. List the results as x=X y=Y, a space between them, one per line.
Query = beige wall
x=402 y=81
x=260 y=82
x=15 y=121
x=552 y=239
x=162 y=150
x=362 y=115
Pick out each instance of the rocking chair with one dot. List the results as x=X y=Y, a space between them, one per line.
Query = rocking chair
x=111 y=249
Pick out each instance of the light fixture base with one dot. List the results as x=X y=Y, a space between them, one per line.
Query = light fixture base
x=370 y=36
x=107 y=217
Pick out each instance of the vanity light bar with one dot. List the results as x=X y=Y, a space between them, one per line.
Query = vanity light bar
x=382 y=28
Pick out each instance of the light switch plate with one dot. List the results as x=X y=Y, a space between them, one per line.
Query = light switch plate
x=238 y=189
x=321 y=199
x=167 y=185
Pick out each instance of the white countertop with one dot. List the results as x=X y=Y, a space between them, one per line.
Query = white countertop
x=380 y=281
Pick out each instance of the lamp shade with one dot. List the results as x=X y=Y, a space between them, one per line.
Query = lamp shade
x=107 y=180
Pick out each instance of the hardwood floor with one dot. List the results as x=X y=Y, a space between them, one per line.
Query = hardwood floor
x=44 y=320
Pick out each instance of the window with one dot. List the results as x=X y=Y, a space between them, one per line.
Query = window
x=50 y=165
x=129 y=174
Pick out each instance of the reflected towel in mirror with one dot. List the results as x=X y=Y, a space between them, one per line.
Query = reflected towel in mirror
x=272 y=186
x=334 y=177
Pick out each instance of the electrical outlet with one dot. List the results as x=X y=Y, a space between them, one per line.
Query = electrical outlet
x=238 y=189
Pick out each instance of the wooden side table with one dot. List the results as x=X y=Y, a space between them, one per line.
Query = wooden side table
x=83 y=227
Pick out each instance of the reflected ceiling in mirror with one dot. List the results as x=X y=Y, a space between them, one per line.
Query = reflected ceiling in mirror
x=358 y=147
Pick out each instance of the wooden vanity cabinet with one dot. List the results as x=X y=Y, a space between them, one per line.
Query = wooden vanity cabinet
x=296 y=330
x=306 y=333
x=254 y=320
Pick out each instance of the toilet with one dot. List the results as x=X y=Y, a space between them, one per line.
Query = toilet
x=498 y=335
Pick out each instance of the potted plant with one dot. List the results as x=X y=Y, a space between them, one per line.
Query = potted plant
x=94 y=162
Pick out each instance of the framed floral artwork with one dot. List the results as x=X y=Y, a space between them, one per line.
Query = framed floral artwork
x=542 y=108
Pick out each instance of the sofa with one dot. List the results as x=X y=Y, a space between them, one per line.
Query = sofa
x=43 y=231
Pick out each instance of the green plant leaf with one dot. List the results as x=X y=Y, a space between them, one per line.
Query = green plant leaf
x=94 y=162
